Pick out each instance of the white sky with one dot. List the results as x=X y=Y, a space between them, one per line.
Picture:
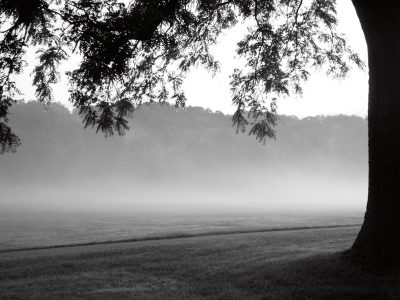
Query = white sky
x=322 y=95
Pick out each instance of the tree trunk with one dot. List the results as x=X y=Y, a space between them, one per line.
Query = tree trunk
x=379 y=238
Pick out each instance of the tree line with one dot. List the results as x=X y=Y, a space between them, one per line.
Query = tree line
x=168 y=139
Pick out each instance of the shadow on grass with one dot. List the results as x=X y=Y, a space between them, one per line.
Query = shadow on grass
x=329 y=276
x=183 y=274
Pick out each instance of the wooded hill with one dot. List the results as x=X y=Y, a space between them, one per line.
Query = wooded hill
x=164 y=140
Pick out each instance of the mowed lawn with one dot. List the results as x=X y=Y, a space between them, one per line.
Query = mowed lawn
x=295 y=264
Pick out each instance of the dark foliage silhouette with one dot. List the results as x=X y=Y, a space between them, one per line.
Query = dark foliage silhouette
x=140 y=52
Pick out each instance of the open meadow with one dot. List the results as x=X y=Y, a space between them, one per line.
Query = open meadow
x=41 y=228
x=293 y=264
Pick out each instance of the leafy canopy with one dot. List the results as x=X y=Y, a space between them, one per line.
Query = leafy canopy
x=140 y=52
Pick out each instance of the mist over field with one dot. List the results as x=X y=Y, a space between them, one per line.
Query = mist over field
x=183 y=161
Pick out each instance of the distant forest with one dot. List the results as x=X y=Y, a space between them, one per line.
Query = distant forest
x=166 y=142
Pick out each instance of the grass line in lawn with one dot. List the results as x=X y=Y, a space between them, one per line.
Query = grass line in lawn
x=175 y=236
x=292 y=264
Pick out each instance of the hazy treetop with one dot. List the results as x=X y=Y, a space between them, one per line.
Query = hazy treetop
x=169 y=140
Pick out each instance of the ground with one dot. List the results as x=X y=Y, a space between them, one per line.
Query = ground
x=292 y=264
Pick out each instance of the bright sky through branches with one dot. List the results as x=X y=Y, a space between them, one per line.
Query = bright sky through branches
x=322 y=95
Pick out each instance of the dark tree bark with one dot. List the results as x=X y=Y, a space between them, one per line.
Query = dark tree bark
x=379 y=238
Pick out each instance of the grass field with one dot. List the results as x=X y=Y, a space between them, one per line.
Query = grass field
x=295 y=264
x=40 y=228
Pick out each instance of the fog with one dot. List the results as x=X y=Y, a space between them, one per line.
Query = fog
x=184 y=161
x=288 y=193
